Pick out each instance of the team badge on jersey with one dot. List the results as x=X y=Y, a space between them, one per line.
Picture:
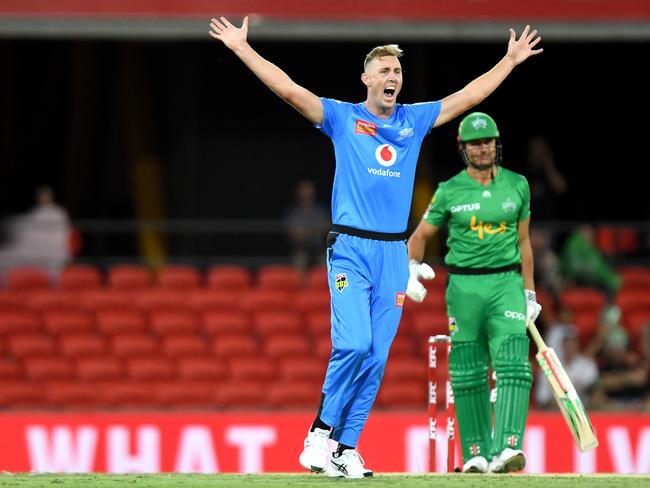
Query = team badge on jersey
x=453 y=326
x=386 y=155
x=341 y=282
x=399 y=299
x=365 y=127
x=508 y=205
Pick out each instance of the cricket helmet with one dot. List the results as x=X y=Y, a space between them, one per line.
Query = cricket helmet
x=475 y=126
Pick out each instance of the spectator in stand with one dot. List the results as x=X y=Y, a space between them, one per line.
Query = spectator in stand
x=558 y=329
x=307 y=223
x=547 y=263
x=583 y=264
x=547 y=184
x=623 y=375
x=40 y=237
x=582 y=370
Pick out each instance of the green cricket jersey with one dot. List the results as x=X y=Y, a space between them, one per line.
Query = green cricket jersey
x=482 y=220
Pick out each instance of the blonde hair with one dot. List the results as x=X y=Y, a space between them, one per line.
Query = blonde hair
x=385 y=50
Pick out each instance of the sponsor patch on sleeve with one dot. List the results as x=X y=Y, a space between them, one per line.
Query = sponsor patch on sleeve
x=399 y=299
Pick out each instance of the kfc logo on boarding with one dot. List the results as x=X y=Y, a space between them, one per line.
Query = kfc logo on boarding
x=386 y=155
x=365 y=127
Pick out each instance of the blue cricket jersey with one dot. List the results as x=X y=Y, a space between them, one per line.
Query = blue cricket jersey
x=375 y=162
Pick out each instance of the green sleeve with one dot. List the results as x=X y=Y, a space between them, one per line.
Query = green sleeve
x=524 y=211
x=436 y=213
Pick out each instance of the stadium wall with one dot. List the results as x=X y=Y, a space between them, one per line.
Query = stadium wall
x=202 y=442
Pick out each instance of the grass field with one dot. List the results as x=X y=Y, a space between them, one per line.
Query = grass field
x=300 y=480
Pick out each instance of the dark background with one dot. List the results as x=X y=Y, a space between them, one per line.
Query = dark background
x=76 y=115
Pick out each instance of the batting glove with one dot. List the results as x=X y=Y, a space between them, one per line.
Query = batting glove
x=532 y=307
x=415 y=290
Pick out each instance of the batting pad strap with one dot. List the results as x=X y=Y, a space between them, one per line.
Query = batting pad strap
x=512 y=359
x=468 y=365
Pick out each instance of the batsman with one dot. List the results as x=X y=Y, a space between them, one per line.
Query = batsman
x=490 y=295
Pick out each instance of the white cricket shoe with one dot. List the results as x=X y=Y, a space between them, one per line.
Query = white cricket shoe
x=477 y=464
x=349 y=464
x=315 y=454
x=507 y=461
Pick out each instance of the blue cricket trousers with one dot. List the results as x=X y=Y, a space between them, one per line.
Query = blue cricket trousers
x=367 y=280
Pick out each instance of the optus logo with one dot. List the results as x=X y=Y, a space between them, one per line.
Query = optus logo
x=386 y=155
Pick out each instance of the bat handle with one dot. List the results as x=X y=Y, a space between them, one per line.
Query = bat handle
x=534 y=333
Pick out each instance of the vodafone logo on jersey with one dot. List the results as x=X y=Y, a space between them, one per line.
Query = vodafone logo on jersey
x=386 y=155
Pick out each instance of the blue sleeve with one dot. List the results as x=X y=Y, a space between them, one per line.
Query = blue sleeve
x=425 y=114
x=334 y=113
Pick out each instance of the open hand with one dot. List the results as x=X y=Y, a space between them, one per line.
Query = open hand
x=521 y=49
x=233 y=37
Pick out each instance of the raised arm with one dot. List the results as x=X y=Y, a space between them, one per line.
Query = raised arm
x=235 y=39
x=476 y=91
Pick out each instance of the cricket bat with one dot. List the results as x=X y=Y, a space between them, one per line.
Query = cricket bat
x=565 y=394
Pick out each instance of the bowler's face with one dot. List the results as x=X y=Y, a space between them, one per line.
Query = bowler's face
x=384 y=81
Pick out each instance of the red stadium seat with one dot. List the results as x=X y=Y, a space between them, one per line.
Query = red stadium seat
x=129 y=277
x=279 y=277
x=286 y=346
x=184 y=345
x=232 y=346
x=72 y=394
x=201 y=369
x=635 y=322
x=317 y=278
x=18 y=322
x=205 y=300
x=130 y=394
x=48 y=368
x=67 y=322
x=229 y=277
x=251 y=368
x=270 y=323
x=115 y=321
x=134 y=345
x=403 y=394
x=406 y=369
x=186 y=394
x=266 y=300
x=31 y=345
x=156 y=299
x=98 y=369
x=150 y=369
x=19 y=394
x=403 y=345
x=82 y=345
x=80 y=277
x=313 y=301
x=637 y=277
x=318 y=323
x=302 y=369
x=13 y=301
x=96 y=300
x=10 y=370
x=586 y=321
x=580 y=299
x=27 y=278
x=427 y=324
x=323 y=346
x=304 y=394
x=179 y=277
x=53 y=300
x=631 y=301
x=219 y=322
x=241 y=394
x=164 y=322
